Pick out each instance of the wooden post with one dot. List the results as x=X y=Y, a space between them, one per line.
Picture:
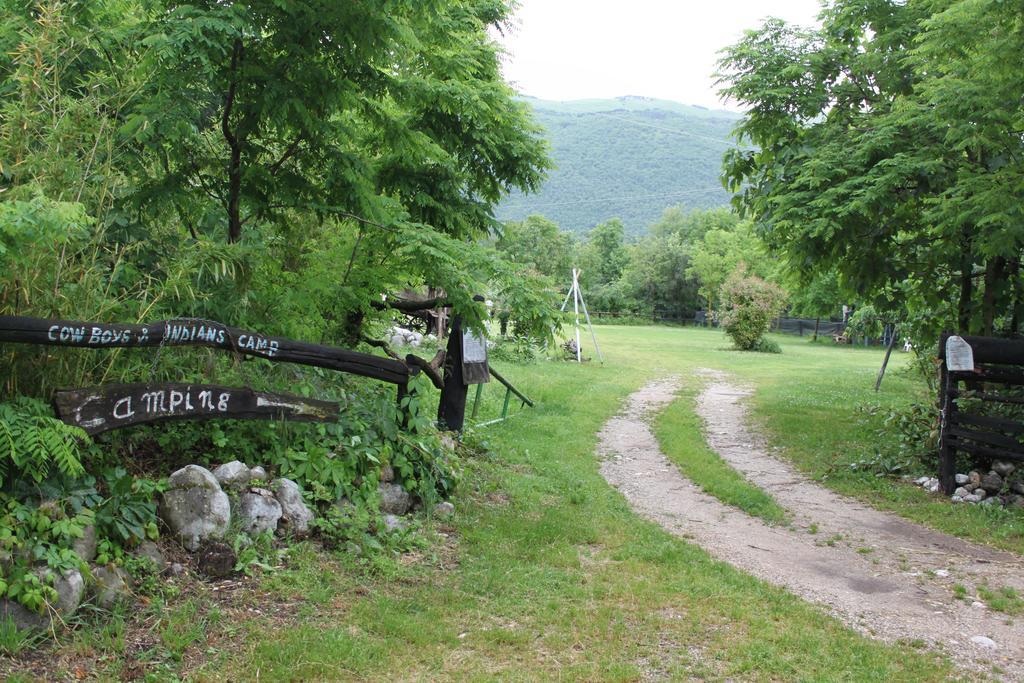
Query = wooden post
x=885 y=362
x=947 y=408
x=451 y=409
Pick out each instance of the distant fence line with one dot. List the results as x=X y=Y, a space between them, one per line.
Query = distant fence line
x=802 y=327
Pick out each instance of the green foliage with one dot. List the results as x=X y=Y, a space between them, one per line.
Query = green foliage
x=905 y=439
x=257 y=553
x=32 y=442
x=625 y=157
x=749 y=305
x=865 y=322
x=537 y=242
x=517 y=349
x=886 y=151
x=127 y=514
x=33 y=533
x=14 y=641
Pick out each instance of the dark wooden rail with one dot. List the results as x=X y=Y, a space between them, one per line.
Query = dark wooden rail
x=996 y=362
x=100 y=409
x=193 y=332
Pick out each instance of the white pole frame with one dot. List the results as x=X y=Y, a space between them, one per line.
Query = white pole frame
x=577 y=302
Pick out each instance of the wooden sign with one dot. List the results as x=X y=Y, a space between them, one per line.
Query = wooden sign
x=99 y=409
x=192 y=332
x=474 y=359
x=959 y=355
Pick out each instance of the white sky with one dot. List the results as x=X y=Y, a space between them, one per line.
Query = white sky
x=575 y=49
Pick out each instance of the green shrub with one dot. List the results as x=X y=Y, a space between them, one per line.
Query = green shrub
x=32 y=441
x=905 y=439
x=766 y=345
x=749 y=304
x=517 y=349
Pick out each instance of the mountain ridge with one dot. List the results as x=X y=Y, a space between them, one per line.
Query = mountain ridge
x=628 y=157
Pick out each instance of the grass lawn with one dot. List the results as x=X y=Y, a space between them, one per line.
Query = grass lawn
x=545 y=573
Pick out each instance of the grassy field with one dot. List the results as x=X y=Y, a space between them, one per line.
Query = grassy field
x=544 y=573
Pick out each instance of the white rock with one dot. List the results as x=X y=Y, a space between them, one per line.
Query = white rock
x=1002 y=467
x=295 y=514
x=444 y=509
x=961 y=491
x=394 y=523
x=978 y=605
x=394 y=499
x=962 y=479
x=194 y=507
x=258 y=511
x=942 y=572
x=922 y=481
x=85 y=547
x=985 y=642
x=258 y=473
x=111 y=586
x=233 y=475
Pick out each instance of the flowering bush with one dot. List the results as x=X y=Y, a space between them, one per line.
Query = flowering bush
x=749 y=304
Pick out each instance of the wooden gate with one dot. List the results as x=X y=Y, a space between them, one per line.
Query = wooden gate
x=993 y=377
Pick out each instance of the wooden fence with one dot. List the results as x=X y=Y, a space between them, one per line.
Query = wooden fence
x=996 y=379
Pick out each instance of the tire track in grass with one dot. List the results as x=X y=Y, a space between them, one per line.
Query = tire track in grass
x=869 y=596
x=681 y=436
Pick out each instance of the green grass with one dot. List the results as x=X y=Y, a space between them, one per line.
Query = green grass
x=555 y=577
x=680 y=434
x=1003 y=599
x=546 y=573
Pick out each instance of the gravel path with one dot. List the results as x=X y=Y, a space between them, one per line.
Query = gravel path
x=878 y=576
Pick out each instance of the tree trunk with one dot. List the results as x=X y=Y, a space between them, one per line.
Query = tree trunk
x=1018 y=298
x=966 y=284
x=235 y=147
x=995 y=273
x=817 y=323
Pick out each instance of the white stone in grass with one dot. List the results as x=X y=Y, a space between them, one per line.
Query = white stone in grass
x=962 y=479
x=922 y=481
x=394 y=499
x=394 y=523
x=961 y=491
x=984 y=642
x=444 y=510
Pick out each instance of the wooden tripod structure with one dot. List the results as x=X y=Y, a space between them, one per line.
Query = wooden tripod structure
x=576 y=294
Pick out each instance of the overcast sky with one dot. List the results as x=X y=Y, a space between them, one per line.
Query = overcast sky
x=573 y=49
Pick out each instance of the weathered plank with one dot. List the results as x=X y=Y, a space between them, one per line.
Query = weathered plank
x=99 y=409
x=992 y=350
x=192 y=332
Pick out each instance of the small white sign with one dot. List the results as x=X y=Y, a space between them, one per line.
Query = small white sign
x=959 y=356
x=474 y=348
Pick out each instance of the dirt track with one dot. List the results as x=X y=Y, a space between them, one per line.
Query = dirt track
x=879 y=576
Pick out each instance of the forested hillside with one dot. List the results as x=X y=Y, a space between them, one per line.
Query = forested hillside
x=628 y=157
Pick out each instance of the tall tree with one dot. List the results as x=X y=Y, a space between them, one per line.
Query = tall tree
x=869 y=160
